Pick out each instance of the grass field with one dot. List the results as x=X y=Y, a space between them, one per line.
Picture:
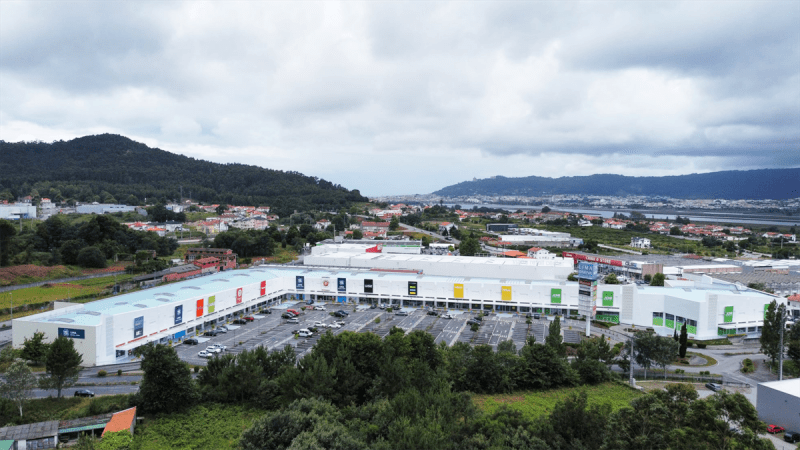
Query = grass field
x=538 y=403
x=204 y=427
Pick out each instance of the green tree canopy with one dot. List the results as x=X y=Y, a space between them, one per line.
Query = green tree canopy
x=167 y=384
x=18 y=384
x=63 y=365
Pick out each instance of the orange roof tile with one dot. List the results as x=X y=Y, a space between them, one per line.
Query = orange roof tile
x=120 y=421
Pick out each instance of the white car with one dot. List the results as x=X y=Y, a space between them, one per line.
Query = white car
x=319 y=324
x=305 y=332
x=293 y=320
x=204 y=354
x=319 y=308
x=335 y=326
x=219 y=347
x=213 y=349
x=447 y=316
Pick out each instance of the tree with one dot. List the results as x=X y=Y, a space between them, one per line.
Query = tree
x=546 y=209
x=645 y=349
x=35 y=349
x=220 y=210
x=675 y=336
x=91 y=257
x=657 y=280
x=665 y=350
x=794 y=344
x=7 y=232
x=18 y=384
x=553 y=338
x=675 y=231
x=167 y=384
x=469 y=247
x=611 y=279
x=63 y=365
x=683 y=341
x=357 y=234
x=394 y=224
x=771 y=331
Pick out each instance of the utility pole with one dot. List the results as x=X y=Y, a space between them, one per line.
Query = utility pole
x=630 y=378
x=780 y=348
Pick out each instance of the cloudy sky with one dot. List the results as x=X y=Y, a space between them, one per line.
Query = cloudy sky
x=409 y=97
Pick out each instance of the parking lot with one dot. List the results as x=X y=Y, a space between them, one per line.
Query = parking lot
x=273 y=332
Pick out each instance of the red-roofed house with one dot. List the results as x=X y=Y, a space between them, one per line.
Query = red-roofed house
x=540 y=253
x=447 y=226
x=123 y=420
x=375 y=227
x=513 y=254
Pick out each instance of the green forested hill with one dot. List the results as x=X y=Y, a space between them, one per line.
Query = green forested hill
x=733 y=184
x=114 y=168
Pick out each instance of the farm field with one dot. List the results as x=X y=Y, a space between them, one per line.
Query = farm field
x=534 y=404
x=29 y=300
x=30 y=273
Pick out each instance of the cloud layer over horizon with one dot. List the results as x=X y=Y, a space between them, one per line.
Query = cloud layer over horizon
x=409 y=97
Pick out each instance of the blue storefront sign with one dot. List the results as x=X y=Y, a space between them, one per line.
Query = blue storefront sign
x=341 y=284
x=587 y=270
x=342 y=299
x=300 y=282
x=178 y=314
x=138 y=327
x=72 y=333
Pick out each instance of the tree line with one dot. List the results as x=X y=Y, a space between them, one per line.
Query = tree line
x=57 y=241
x=355 y=391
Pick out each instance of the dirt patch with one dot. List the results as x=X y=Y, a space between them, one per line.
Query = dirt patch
x=9 y=274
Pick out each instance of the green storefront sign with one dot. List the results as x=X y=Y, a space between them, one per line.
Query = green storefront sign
x=691 y=329
x=728 y=314
x=607 y=318
x=212 y=304
x=658 y=321
x=608 y=298
x=555 y=295
x=724 y=332
x=766 y=307
x=670 y=323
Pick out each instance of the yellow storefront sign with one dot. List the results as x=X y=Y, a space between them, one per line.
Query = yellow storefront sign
x=458 y=290
x=505 y=293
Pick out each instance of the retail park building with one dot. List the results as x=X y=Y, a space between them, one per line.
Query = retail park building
x=105 y=331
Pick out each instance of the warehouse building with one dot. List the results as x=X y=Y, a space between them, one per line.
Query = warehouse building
x=106 y=331
x=778 y=403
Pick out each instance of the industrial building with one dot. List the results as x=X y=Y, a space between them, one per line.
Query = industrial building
x=778 y=403
x=106 y=331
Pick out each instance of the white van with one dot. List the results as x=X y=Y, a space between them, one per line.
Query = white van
x=305 y=332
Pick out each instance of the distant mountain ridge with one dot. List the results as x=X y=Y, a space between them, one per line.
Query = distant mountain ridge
x=750 y=184
x=107 y=166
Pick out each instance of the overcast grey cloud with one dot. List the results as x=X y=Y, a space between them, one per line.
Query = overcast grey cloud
x=408 y=97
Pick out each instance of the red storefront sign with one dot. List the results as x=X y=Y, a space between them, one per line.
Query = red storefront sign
x=200 y=308
x=591 y=258
x=263 y=288
x=238 y=295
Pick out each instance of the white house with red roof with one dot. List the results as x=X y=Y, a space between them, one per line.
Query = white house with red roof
x=540 y=253
x=447 y=226
x=322 y=225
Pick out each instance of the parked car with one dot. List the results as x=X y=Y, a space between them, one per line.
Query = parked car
x=401 y=313
x=313 y=329
x=446 y=316
x=83 y=393
x=204 y=354
x=320 y=324
x=433 y=313
x=211 y=333
x=473 y=322
x=240 y=322
x=319 y=308
x=382 y=306
x=478 y=318
x=287 y=316
x=791 y=436
x=213 y=349
x=249 y=318
x=714 y=386
x=537 y=316
x=266 y=311
x=334 y=326
x=775 y=429
x=372 y=306
x=293 y=320
x=343 y=312
x=222 y=329
x=293 y=311
x=219 y=347
x=304 y=333
x=191 y=341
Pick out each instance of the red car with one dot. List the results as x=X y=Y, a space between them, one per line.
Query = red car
x=775 y=429
x=293 y=311
x=249 y=318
